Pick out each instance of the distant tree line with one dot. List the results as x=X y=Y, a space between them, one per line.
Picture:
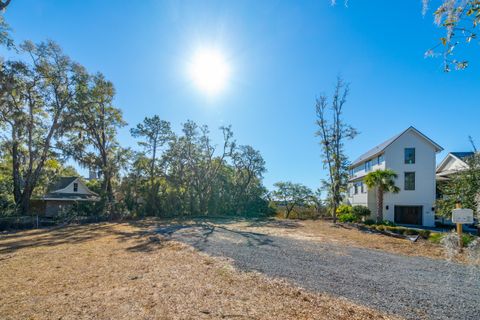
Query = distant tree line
x=186 y=174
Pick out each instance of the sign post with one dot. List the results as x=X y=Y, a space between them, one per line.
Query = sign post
x=459 y=227
x=461 y=216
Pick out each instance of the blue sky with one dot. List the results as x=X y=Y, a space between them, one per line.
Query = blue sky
x=282 y=54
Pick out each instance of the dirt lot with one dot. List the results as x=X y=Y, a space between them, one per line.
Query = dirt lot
x=120 y=271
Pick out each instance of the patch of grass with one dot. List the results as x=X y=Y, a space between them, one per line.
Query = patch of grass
x=467 y=239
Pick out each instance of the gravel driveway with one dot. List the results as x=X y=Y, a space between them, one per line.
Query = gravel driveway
x=410 y=287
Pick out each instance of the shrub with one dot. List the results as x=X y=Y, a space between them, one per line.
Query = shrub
x=344 y=209
x=435 y=237
x=369 y=222
x=348 y=217
x=361 y=211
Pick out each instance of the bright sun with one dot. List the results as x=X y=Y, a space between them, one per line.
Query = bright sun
x=209 y=71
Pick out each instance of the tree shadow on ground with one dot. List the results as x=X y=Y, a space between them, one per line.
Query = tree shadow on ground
x=151 y=234
x=53 y=237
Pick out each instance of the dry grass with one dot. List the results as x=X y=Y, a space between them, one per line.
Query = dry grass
x=327 y=232
x=116 y=271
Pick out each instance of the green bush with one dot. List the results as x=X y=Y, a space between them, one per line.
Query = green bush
x=348 y=217
x=369 y=222
x=344 y=209
x=435 y=237
x=361 y=211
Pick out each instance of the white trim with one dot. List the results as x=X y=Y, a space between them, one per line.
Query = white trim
x=66 y=199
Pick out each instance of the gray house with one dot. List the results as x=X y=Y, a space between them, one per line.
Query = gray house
x=61 y=195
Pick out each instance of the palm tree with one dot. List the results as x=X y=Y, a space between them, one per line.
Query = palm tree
x=383 y=181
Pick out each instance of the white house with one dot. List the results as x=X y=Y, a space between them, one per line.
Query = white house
x=412 y=156
x=62 y=194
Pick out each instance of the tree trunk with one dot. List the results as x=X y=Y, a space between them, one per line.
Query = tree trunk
x=17 y=194
x=334 y=208
x=24 y=206
x=379 y=205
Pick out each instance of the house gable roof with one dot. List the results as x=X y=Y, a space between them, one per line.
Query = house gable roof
x=381 y=147
x=61 y=183
x=57 y=190
x=460 y=156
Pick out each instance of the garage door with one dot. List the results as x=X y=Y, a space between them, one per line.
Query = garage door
x=408 y=214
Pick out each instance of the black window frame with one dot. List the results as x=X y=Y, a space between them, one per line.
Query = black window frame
x=408 y=173
x=75 y=187
x=408 y=160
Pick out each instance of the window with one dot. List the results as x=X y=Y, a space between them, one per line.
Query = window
x=75 y=187
x=357 y=169
x=355 y=186
x=362 y=188
x=409 y=155
x=380 y=159
x=409 y=181
x=368 y=165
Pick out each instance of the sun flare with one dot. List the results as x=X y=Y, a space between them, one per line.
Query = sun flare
x=209 y=71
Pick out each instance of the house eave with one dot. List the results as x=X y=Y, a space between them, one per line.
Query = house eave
x=70 y=199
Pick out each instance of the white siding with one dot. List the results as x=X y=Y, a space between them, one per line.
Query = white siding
x=424 y=168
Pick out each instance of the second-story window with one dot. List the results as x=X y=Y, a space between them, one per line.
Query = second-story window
x=75 y=187
x=368 y=165
x=409 y=155
x=380 y=159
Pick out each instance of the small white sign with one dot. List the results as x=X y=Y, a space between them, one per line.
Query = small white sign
x=463 y=216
